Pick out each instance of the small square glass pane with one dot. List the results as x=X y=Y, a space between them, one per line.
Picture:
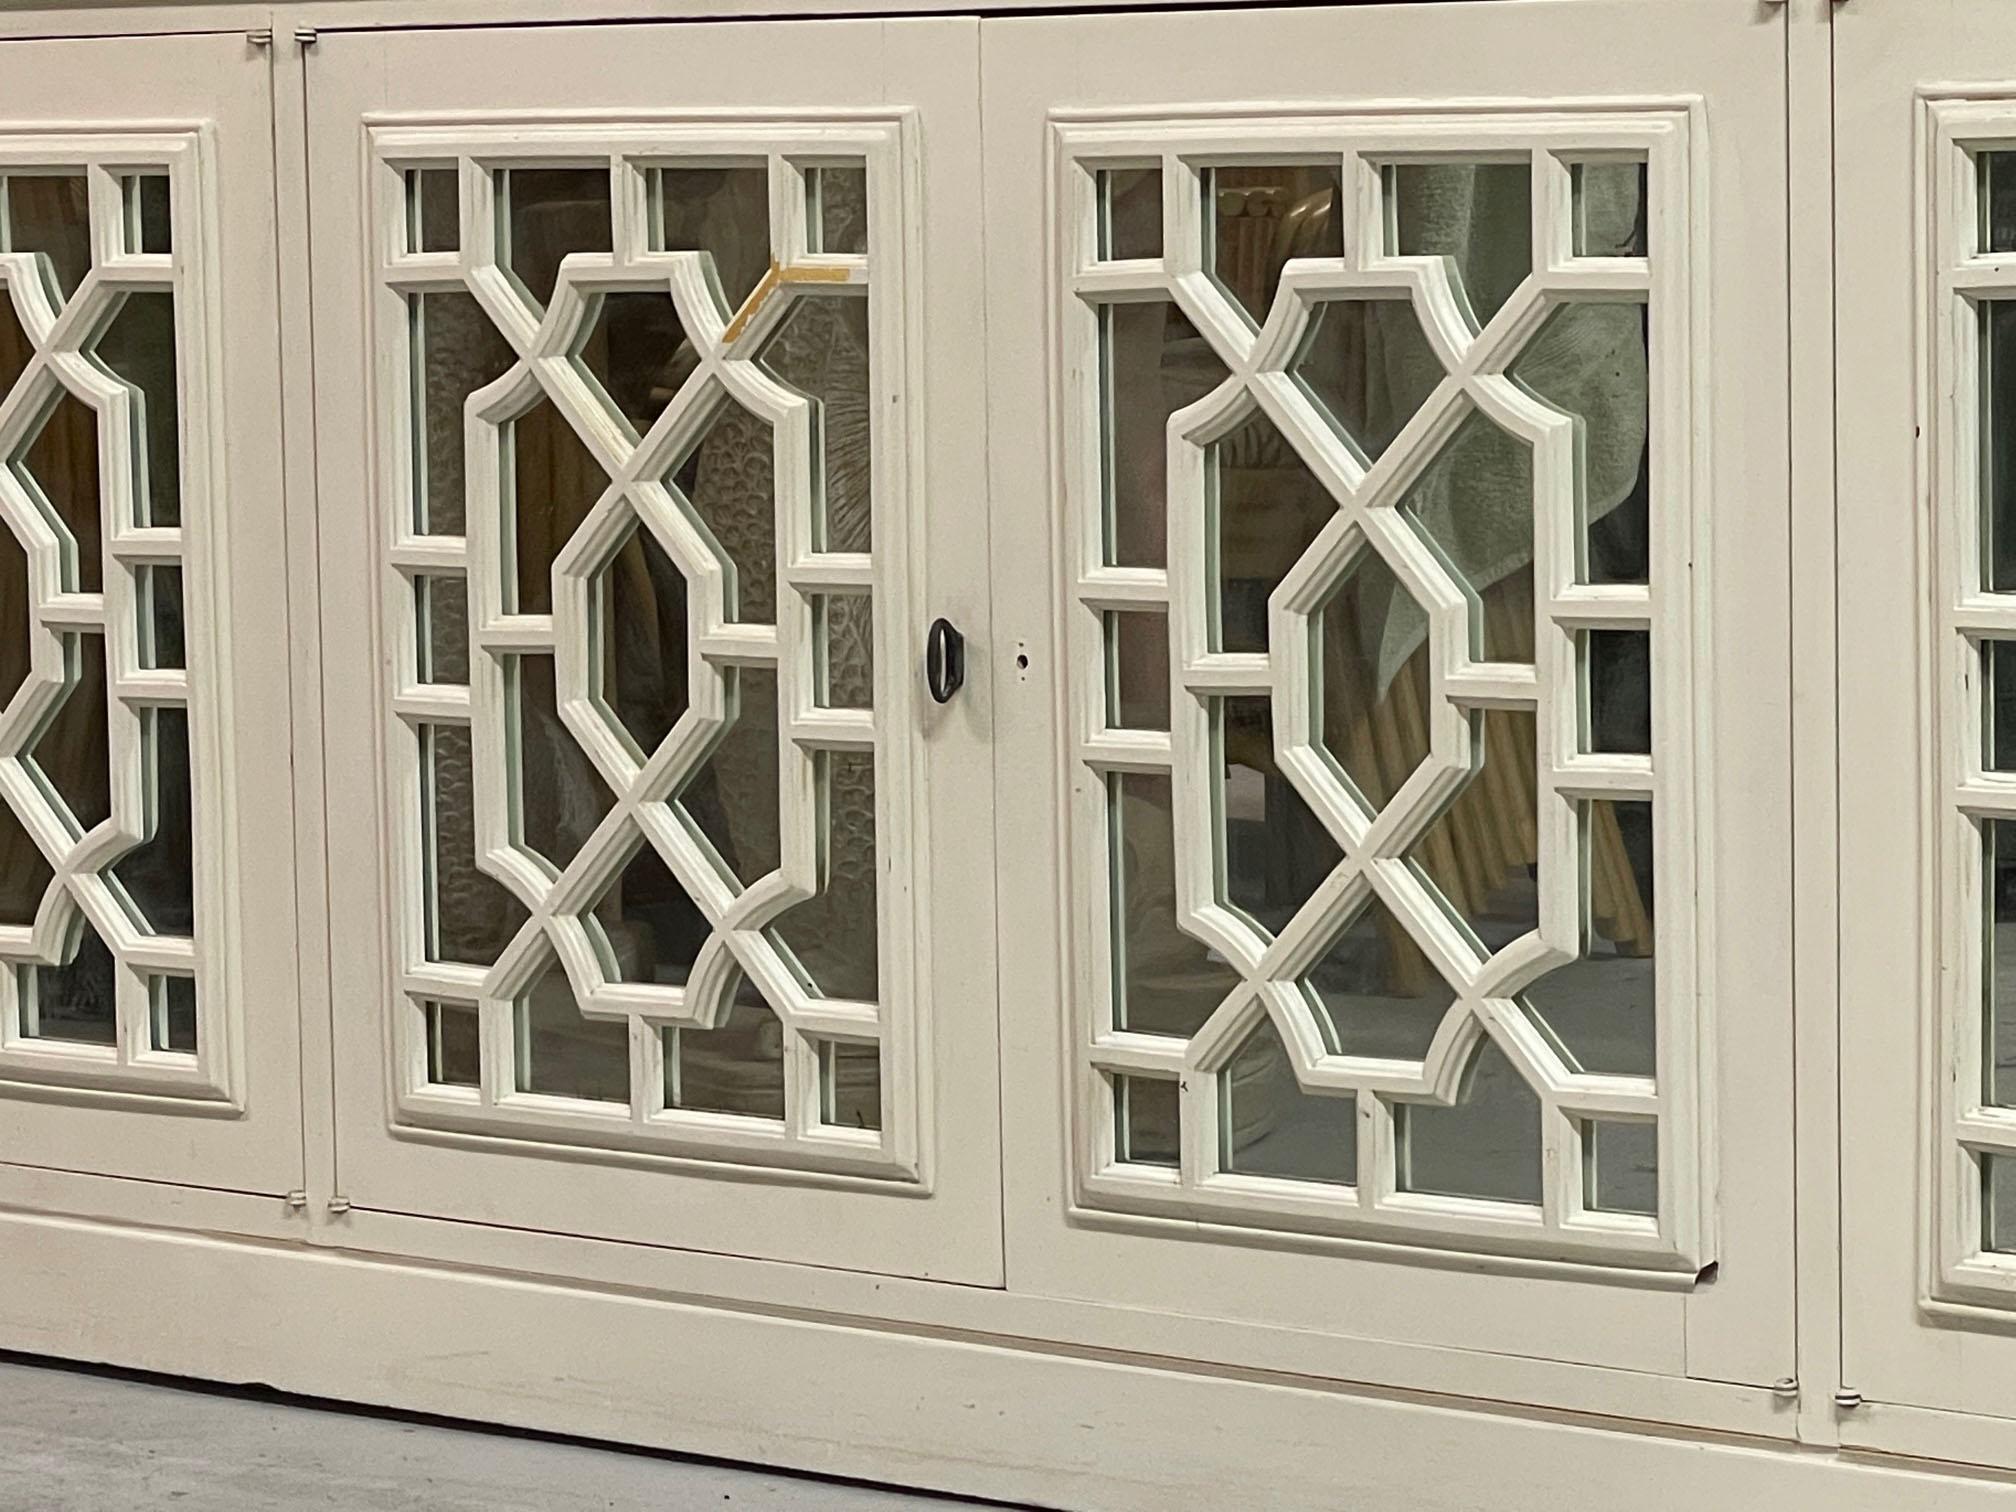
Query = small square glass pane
x=1995 y=192
x=1617 y=691
x=1998 y=1203
x=1620 y=1167
x=433 y=210
x=844 y=631
x=1610 y=208
x=441 y=610
x=149 y=223
x=836 y=208
x=850 y=1085
x=1130 y=213
x=173 y=1003
x=162 y=639
x=1147 y=1127
x=1998 y=444
x=1998 y=944
x=453 y=1044
x=1137 y=670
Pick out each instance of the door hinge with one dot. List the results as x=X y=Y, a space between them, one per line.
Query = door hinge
x=260 y=36
x=1847 y=1399
x=1786 y=1388
x=296 y=1200
x=338 y=1206
x=306 y=36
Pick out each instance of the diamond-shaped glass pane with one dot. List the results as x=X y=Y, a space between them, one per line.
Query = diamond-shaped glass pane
x=641 y=608
x=1481 y=856
x=138 y=348
x=546 y=213
x=158 y=878
x=1598 y=1010
x=1270 y=1126
x=1590 y=361
x=723 y=211
x=737 y=1068
x=1477 y=215
x=728 y=483
x=1152 y=363
x=60 y=469
x=1474 y=504
x=560 y=796
x=1261 y=215
x=565 y=1054
x=555 y=481
x=732 y=801
x=1269 y=508
x=821 y=352
x=71 y=754
x=1276 y=851
x=470 y=916
x=638 y=354
x=1164 y=980
x=1369 y=366
x=831 y=937
x=1372 y=691
x=75 y=1000
x=650 y=927
x=50 y=214
x=15 y=347
x=1486 y=1145
x=1379 y=995
x=457 y=349
x=25 y=873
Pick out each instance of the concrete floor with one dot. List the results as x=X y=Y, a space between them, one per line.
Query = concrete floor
x=79 y=1441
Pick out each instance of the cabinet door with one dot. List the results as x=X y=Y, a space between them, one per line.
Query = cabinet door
x=1392 y=552
x=148 y=1020
x=661 y=912
x=1925 y=190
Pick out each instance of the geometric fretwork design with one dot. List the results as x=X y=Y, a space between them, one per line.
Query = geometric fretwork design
x=645 y=547
x=1967 y=415
x=113 y=957
x=1379 y=436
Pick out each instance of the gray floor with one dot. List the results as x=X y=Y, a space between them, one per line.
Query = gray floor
x=73 y=1441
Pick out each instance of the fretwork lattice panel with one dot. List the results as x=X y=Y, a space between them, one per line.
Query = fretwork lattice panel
x=110 y=765
x=1380 y=436
x=1969 y=198
x=645 y=475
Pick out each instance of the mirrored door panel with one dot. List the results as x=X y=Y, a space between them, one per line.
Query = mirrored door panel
x=1407 y=891
x=654 y=493
x=148 y=1003
x=1926 y=412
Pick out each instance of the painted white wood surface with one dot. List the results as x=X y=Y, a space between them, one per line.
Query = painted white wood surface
x=1738 y=1326
x=1081 y=1382
x=230 y=1117
x=538 y=1165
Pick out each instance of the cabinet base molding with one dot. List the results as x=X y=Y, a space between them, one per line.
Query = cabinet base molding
x=1034 y=1425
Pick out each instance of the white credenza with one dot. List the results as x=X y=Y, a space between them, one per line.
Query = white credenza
x=1132 y=759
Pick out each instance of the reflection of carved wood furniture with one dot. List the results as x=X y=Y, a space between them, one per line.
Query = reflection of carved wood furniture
x=1272 y=507
x=729 y=483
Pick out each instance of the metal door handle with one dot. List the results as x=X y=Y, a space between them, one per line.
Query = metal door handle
x=944 y=660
